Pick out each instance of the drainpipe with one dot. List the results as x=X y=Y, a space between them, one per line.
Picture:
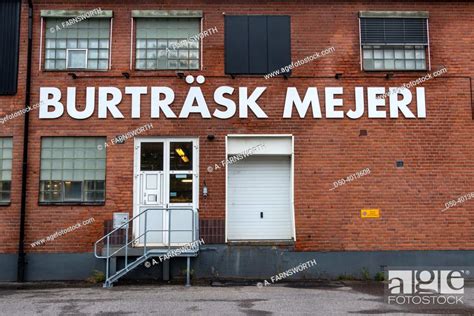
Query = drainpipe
x=21 y=246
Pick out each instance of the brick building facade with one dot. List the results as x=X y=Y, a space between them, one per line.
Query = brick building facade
x=326 y=223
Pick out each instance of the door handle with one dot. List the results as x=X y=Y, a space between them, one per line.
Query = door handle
x=261 y=214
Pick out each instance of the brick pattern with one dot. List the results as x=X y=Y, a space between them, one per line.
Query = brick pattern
x=117 y=238
x=212 y=231
x=10 y=218
x=437 y=151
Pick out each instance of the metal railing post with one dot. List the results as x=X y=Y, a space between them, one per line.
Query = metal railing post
x=193 y=233
x=106 y=239
x=146 y=230
x=188 y=271
x=169 y=229
x=126 y=246
x=108 y=259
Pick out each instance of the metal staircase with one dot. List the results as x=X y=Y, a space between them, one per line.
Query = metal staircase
x=140 y=247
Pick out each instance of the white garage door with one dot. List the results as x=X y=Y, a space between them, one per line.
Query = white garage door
x=259 y=199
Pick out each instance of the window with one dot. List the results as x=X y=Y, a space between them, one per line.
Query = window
x=167 y=43
x=72 y=170
x=81 y=45
x=257 y=44
x=76 y=58
x=181 y=188
x=151 y=156
x=5 y=169
x=181 y=156
x=394 y=41
x=181 y=172
x=10 y=17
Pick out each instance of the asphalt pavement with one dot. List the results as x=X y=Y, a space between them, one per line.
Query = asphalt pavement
x=332 y=298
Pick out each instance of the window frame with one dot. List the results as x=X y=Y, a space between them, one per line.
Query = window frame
x=83 y=202
x=68 y=14
x=77 y=49
x=395 y=14
x=180 y=172
x=8 y=203
x=163 y=14
x=4 y=203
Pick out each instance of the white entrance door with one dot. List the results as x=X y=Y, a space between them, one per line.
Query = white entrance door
x=259 y=199
x=167 y=185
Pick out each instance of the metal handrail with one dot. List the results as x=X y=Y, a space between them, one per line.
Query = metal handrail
x=194 y=229
x=136 y=216
x=146 y=231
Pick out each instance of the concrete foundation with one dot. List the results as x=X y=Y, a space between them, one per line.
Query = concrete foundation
x=223 y=262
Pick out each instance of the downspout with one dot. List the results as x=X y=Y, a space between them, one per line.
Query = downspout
x=21 y=246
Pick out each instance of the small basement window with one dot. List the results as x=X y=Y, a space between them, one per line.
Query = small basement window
x=72 y=170
x=396 y=41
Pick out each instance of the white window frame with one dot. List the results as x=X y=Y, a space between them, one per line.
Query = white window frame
x=76 y=49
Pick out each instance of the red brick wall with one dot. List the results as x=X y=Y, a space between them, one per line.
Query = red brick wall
x=437 y=151
x=10 y=218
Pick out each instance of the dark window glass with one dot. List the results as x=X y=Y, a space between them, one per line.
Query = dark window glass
x=151 y=157
x=181 y=156
x=50 y=191
x=72 y=190
x=100 y=185
x=5 y=187
x=181 y=188
x=94 y=191
x=5 y=197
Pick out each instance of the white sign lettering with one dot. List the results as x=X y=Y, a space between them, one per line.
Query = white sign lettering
x=162 y=101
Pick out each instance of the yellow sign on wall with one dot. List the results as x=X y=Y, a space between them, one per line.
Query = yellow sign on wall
x=370 y=213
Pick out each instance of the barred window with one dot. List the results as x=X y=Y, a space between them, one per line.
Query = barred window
x=6 y=148
x=81 y=45
x=397 y=42
x=167 y=43
x=72 y=169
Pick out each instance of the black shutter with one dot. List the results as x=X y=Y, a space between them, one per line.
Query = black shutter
x=279 y=42
x=10 y=27
x=256 y=44
x=394 y=31
x=236 y=44
x=258 y=50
